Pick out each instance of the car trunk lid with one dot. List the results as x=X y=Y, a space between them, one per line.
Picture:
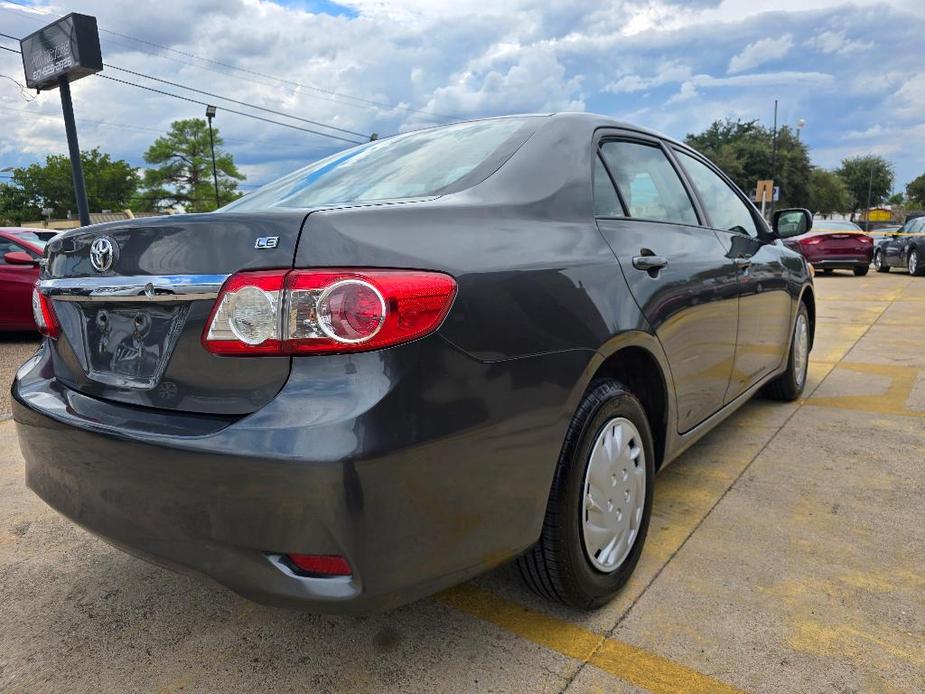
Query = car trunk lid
x=132 y=300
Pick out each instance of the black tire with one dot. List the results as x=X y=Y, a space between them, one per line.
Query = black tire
x=879 y=262
x=557 y=567
x=914 y=263
x=788 y=387
x=861 y=270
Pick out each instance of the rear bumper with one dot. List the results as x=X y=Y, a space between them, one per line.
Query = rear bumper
x=845 y=262
x=419 y=485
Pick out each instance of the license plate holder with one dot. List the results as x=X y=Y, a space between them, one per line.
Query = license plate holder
x=129 y=345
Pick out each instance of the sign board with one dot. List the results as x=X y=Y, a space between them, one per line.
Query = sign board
x=879 y=214
x=68 y=47
x=776 y=197
x=765 y=191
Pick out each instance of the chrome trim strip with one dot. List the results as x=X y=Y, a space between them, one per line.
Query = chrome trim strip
x=134 y=288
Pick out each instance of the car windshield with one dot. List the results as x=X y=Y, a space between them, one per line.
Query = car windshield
x=416 y=164
x=836 y=224
x=29 y=237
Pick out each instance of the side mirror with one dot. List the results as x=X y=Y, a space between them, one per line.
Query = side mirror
x=792 y=222
x=19 y=258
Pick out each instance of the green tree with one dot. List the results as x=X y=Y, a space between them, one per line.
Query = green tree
x=865 y=175
x=745 y=151
x=827 y=192
x=915 y=192
x=110 y=186
x=182 y=173
x=897 y=199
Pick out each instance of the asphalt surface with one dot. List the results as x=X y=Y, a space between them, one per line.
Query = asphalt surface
x=786 y=554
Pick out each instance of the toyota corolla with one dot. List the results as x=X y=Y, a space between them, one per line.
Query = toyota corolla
x=411 y=361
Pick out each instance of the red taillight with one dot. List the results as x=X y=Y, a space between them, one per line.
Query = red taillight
x=43 y=313
x=811 y=241
x=320 y=565
x=325 y=311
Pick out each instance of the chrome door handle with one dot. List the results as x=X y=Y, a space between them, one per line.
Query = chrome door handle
x=743 y=263
x=649 y=262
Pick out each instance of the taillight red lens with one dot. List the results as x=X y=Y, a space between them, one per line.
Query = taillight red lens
x=811 y=241
x=326 y=311
x=44 y=314
x=320 y=565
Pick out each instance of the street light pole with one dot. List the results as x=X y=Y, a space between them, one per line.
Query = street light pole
x=870 y=185
x=210 y=114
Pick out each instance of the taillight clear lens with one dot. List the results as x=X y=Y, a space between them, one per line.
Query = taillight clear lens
x=325 y=311
x=43 y=313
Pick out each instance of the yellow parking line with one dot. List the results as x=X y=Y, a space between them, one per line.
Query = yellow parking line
x=629 y=663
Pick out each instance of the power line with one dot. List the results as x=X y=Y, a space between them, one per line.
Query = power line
x=224 y=98
x=203 y=103
x=228 y=110
x=234 y=101
x=333 y=95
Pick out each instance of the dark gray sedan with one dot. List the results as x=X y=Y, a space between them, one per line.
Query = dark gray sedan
x=411 y=361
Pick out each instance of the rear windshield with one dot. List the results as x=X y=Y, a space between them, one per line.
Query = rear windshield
x=417 y=164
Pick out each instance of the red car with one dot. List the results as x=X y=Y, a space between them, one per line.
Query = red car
x=835 y=245
x=20 y=250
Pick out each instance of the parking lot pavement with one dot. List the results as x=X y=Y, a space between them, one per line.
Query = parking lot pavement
x=15 y=348
x=786 y=553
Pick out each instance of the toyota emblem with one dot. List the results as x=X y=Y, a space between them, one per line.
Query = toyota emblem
x=102 y=253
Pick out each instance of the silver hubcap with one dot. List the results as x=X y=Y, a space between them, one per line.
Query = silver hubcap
x=878 y=260
x=614 y=494
x=800 y=349
x=913 y=262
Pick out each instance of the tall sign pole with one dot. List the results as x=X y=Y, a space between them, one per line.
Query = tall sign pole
x=53 y=57
x=77 y=171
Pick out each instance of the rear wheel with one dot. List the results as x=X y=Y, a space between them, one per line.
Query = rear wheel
x=914 y=263
x=879 y=262
x=861 y=270
x=600 y=502
x=790 y=384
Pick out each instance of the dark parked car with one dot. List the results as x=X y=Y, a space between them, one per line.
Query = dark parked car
x=411 y=361
x=20 y=251
x=905 y=248
x=835 y=245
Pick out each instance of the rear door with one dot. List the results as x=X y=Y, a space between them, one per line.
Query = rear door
x=764 y=303
x=677 y=270
x=892 y=249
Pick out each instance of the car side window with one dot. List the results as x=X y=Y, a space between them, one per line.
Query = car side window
x=606 y=202
x=721 y=203
x=648 y=182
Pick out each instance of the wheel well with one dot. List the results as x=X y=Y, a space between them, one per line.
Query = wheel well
x=809 y=298
x=639 y=371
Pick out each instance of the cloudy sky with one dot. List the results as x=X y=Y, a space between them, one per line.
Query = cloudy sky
x=854 y=71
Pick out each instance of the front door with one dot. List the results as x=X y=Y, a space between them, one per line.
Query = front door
x=676 y=269
x=765 y=305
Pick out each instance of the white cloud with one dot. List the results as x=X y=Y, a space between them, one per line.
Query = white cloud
x=834 y=42
x=668 y=72
x=760 y=52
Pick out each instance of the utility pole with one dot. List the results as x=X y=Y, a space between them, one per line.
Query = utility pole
x=210 y=114
x=774 y=155
x=870 y=185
